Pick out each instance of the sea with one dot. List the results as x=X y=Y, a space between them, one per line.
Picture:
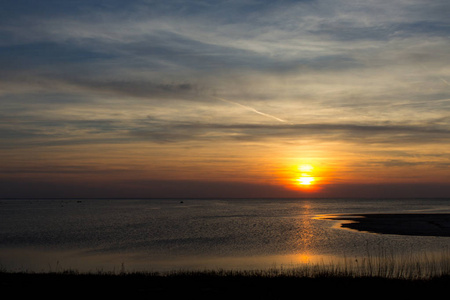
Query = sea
x=165 y=235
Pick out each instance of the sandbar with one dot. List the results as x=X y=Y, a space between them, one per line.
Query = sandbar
x=400 y=224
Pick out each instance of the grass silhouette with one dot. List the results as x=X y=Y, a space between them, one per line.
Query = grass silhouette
x=381 y=275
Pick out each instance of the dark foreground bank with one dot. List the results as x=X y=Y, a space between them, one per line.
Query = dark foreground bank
x=207 y=285
x=403 y=224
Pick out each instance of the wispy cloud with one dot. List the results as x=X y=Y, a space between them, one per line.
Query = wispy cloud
x=290 y=75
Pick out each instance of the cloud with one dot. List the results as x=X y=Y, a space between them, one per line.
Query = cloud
x=135 y=88
x=344 y=133
x=362 y=76
x=197 y=40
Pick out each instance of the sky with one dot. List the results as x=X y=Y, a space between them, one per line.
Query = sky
x=249 y=98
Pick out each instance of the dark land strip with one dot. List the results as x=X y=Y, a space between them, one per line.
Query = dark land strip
x=403 y=224
x=207 y=285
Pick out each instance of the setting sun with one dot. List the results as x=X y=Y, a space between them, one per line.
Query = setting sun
x=305 y=180
x=306 y=176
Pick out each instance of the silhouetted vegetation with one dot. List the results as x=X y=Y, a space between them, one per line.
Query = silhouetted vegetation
x=213 y=284
x=380 y=275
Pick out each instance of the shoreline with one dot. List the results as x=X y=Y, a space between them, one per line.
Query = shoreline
x=420 y=224
x=207 y=285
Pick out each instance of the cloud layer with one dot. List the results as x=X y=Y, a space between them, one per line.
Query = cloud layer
x=357 y=86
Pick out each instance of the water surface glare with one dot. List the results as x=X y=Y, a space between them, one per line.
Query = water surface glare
x=169 y=234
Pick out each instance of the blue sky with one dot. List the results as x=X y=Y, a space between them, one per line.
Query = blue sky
x=97 y=93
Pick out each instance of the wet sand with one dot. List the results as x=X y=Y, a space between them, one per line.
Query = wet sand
x=402 y=224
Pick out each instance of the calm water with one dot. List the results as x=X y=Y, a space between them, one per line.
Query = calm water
x=159 y=235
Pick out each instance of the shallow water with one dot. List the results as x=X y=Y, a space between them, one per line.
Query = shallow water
x=165 y=234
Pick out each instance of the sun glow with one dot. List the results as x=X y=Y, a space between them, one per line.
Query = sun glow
x=305 y=168
x=306 y=178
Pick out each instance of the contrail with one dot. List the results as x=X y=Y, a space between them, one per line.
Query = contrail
x=252 y=109
x=445 y=81
x=442 y=79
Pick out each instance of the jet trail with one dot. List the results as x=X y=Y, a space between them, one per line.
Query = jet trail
x=442 y=79
x=252 y=109
x=445 y=81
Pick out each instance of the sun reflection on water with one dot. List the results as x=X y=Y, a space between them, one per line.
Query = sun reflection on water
x=306 y=235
